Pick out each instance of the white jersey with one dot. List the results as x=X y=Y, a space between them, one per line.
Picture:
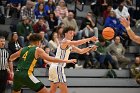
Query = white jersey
x=56 y=70
x=62 y=54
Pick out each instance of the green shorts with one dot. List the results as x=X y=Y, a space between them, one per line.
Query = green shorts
x=21 y=79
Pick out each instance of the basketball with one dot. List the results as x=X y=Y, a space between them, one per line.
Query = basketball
x=108 y=33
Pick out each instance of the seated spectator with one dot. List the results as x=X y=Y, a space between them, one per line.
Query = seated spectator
x=59 y=31
x=52 y=21
x=13 y=6
x=122 y=11
x=54 y=42
x=41 y=26
x=106 y=13
x=117 y=51
x=44 y=43
x=69 y=21
x=135 y=70
x=50 y=6
x=50 y=53
x=27 y=10
x=88 y=26
x=102 y=56
x=2 y=10
x=61 y=11
x=113 y=22
x=24 y=30
x=14 y=44
x=40 y=12
x=39 y=2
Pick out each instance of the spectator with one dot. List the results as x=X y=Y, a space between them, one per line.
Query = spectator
x=14 y=44
x=40 y=11
x=122 y=11
x=59 y=31
x=44 y=43
x=54 y=42
x=41 y=26
x=106 y=13
x=27 y=10
x=88 y=26
x=52 y=21
x=117 y=51
x=24 y=29
x=102 y=56
x=50 y=53
x=69 y=21
x=39 y=2
x=61 y=10
x=2 y=8
x=50 y=6
x=13 y=6
x=135 y=70
x=113 y=22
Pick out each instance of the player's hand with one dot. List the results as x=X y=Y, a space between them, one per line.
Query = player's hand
x=125 y=22
x=94 y=48
x=93 y=39
x=72 y=61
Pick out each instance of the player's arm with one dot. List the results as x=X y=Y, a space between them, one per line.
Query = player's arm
x=15 y=56
x=11 y=59
x=41 y=53
x=83 y=50
x=78 y=42
x=131 y=34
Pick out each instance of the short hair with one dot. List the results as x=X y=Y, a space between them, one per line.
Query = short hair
x=67 y=29
x=2 y=37
x=35 y=37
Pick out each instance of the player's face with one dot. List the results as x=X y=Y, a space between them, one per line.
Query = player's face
x=38 y=43
x=70 y=35
x=2 y=43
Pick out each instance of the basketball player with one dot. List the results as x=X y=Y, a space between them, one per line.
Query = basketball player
x=131 y=34
x=28 y=58
x=56 y=70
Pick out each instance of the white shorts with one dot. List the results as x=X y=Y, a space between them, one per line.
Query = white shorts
x=56 y=74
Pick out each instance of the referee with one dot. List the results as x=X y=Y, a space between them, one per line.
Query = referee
x=4 y=55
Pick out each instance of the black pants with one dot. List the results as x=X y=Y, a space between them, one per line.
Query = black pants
x=3 y=80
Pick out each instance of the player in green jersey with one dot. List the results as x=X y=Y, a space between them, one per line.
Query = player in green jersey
x=28 y=58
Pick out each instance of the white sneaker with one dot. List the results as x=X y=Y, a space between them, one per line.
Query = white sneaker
x=8 y=16
x=77 y=66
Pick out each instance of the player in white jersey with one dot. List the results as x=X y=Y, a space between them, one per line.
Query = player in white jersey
x=56 y=70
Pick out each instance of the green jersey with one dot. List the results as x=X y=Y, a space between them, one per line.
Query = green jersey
x=27 y=59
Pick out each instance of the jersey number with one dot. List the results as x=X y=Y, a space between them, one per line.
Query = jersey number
x=25 y=55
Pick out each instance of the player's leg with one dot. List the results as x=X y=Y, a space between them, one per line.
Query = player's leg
x=53 y=87
x=63 y=87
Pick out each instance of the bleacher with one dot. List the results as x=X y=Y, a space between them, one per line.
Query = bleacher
x=91 y=80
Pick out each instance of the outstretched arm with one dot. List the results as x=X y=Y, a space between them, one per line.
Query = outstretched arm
x=65 y=43
x=131 y=34
x=41 y=53
x=83 y=50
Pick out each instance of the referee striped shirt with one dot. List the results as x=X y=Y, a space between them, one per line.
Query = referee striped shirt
x=4 y=55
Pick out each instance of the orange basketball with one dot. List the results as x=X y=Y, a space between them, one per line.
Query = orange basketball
x=108 y=33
